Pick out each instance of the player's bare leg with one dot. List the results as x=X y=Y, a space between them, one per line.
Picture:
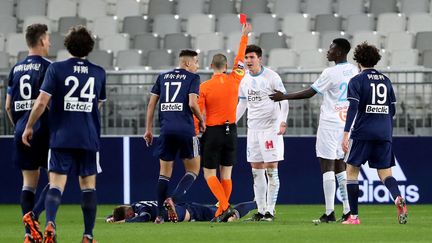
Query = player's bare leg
x=390 y=182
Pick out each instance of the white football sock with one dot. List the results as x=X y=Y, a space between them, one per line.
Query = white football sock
x=260 y=189
x=329 y=186
x=272 y=189
x=342 y=182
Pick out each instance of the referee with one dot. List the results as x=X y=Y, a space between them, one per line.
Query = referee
x=218 y=100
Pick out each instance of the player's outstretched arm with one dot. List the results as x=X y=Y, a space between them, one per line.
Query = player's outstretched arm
x=304 y=94
x=148 y=135
x=8 y=108
x=37 y=110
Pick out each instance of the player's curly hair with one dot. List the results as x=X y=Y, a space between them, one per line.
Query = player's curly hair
x=119 y=212
x=366 y=55
x=34 y=32
x=79 y=41
x=254 y=48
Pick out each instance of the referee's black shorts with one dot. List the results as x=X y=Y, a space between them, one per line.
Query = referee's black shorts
x=218 y=146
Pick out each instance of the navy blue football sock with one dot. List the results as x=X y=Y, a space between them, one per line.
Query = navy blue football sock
x=89 y=206
x=40 y=204
x=392 y=185
x=52 y=203
x=245 y=207
x=162 y=191
x=27 y=200
x=184 y=185
x=353 y=194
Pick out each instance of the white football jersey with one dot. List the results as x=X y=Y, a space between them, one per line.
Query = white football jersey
x=262 y=112
x=333 y=85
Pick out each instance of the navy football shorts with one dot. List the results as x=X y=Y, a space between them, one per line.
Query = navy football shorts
x=63 y=160
x=34 y=157
x=168 y=145
x=379 y=154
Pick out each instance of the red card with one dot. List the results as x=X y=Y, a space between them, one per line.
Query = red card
x=243 y=18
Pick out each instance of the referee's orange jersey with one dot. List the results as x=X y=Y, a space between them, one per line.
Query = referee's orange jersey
x=219 y=95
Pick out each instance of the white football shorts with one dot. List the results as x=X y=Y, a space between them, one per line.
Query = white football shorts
x=329 y=143
x=264 y=146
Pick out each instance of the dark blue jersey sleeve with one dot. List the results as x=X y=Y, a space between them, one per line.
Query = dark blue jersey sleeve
x=142 y=217
x=354 y=89
x=48 y=85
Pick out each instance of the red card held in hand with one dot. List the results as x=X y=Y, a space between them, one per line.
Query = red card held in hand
x=243 y=18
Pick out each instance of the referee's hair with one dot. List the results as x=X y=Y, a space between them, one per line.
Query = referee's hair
x=254 y=48
x=188 y=53
x=219 y=61
x=343 y=44
x=366 y=55
x=34 y=32
x=79 y=41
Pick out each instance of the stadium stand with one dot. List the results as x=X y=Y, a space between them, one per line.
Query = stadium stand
x=270 y=40
x=186 y=8
x=360 y=22
x=284 y=7
x=177 y=41
x=65 y=23
x=57 y=9
x=328 y=22
x=350 y=7
x=166 y=24
x=220 y=7
x=134 y=25
x=316 y=7
x=8 y=25
x=264 y=23
x=282 y=58
x=200 y=24
x=224 y=24
x=295 y=22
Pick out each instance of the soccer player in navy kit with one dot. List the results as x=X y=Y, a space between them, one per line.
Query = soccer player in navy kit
x=372 y=105
x=25 y=79
x=75 y=87
x=178 y=92
x=146 y=211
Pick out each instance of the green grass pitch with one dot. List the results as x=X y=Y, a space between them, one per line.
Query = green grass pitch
x=293 y=224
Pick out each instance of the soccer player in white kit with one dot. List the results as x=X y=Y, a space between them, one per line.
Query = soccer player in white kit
x=332 y=85
x=266 y=125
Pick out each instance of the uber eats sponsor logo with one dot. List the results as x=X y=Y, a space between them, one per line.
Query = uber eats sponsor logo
x=254 y=95
x=373 y=190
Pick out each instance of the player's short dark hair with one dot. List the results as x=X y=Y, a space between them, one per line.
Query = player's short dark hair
x=79 y=41
x=119 y=212
x=188 y=53
x=219 y=61
x=254 y=48
x=343 y=44
x=34 y=32
x=366 y=55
